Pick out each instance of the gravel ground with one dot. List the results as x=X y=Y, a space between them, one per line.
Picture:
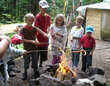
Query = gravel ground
x=101 y=58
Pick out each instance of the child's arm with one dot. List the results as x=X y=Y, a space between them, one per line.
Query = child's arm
x=68 y=24
x=92 y=50
x=41 y=32
x=30 y=41
x=4 y=42
x=48 y=29
x=71 y=34
x=3 y=45
x=58 y=34
x=18 y=28
x=80 y=42
x=17 y=51
x=52 y=32
x=37 y=40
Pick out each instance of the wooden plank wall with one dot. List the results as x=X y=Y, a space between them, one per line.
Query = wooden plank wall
x=93 y=18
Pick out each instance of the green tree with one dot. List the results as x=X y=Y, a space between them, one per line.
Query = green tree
x=12 y=11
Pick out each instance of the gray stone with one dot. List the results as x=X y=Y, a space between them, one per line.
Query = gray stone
x=53 y=67
x=46 y=80
x=83 y=82
x=94 y=70
x=66 y=83
x=43 y=70
x=98 y=80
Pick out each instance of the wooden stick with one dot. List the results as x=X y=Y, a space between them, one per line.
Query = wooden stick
x=80 y=51
x=43 y=43
x=57 y=72
x=37 y=51
x=62 y=51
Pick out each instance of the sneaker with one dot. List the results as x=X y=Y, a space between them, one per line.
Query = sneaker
x=12 y=74
x=15 y=70
x=24 y=76
x=40 y=66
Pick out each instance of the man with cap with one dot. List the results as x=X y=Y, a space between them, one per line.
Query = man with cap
x=88 y=43
x=42 y=21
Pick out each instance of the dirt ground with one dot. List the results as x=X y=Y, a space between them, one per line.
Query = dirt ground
x=101 y=58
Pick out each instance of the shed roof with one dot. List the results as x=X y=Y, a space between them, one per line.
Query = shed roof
x=106 y=0
x=102 y=5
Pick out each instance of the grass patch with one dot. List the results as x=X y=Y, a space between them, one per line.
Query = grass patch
x=10 y=34
x=108 y=82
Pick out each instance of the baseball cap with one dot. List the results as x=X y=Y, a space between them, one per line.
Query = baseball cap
x=89 y=29
x=43 y=4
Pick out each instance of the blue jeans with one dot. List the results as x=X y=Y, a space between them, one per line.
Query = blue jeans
x=75 y=58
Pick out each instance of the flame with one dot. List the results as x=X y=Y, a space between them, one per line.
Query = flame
x=63 y=66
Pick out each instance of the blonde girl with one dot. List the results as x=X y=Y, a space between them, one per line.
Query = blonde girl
x=58 y=37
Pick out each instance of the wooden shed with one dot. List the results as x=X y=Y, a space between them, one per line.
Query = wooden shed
x=98 y=16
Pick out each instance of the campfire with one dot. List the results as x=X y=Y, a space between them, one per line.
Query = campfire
x=64 y=72
x=62 y=75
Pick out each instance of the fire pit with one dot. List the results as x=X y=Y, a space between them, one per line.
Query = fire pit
x=64 y=72
x=62 y=75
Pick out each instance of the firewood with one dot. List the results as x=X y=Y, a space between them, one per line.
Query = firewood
x=56 y=73
x=60 y=76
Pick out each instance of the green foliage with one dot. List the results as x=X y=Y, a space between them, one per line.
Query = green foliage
x=5 y=18
x=55 y=8
x=91 y=1
x=13 y=11
x=10 y=34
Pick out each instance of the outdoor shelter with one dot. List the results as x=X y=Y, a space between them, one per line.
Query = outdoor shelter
x=98 y=16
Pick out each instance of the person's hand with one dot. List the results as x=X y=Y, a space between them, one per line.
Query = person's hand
x=33 y=41
x=85 y=53
x=46 y=35
x=36 y=41
x=77 y=46
x=59 y=35
x=53 y=36
x=68 y=24
x=71 y=40
x=91 y=53
x=25 y=52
